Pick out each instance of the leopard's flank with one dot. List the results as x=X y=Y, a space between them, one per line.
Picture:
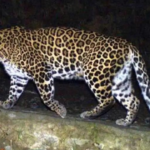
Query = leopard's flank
x=105 y=63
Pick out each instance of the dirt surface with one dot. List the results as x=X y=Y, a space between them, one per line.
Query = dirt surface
x=75 y=95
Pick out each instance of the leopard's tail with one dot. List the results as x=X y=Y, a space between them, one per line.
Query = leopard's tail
x=141 y=74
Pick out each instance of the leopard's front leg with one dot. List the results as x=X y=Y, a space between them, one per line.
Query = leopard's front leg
x=17 y=86
x=45 y=85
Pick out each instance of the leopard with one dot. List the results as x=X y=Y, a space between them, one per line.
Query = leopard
x=104 y=62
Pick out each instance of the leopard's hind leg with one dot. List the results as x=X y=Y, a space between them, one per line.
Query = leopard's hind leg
x=123 y=92
x=101 y=87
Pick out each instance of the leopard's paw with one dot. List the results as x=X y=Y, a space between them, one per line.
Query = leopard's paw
x=85 y=115
x=6 y=104
x=122 y=122
x=61 y=111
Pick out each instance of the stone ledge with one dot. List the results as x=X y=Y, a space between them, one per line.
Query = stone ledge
x=35 y=131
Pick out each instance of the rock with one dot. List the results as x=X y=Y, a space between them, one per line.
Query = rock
x=27 y=130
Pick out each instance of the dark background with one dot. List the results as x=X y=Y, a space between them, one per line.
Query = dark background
x=124 y=18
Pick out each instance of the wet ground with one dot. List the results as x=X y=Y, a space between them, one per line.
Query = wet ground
x=76 y=97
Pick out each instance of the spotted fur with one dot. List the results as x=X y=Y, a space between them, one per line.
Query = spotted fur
x=105 y=63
